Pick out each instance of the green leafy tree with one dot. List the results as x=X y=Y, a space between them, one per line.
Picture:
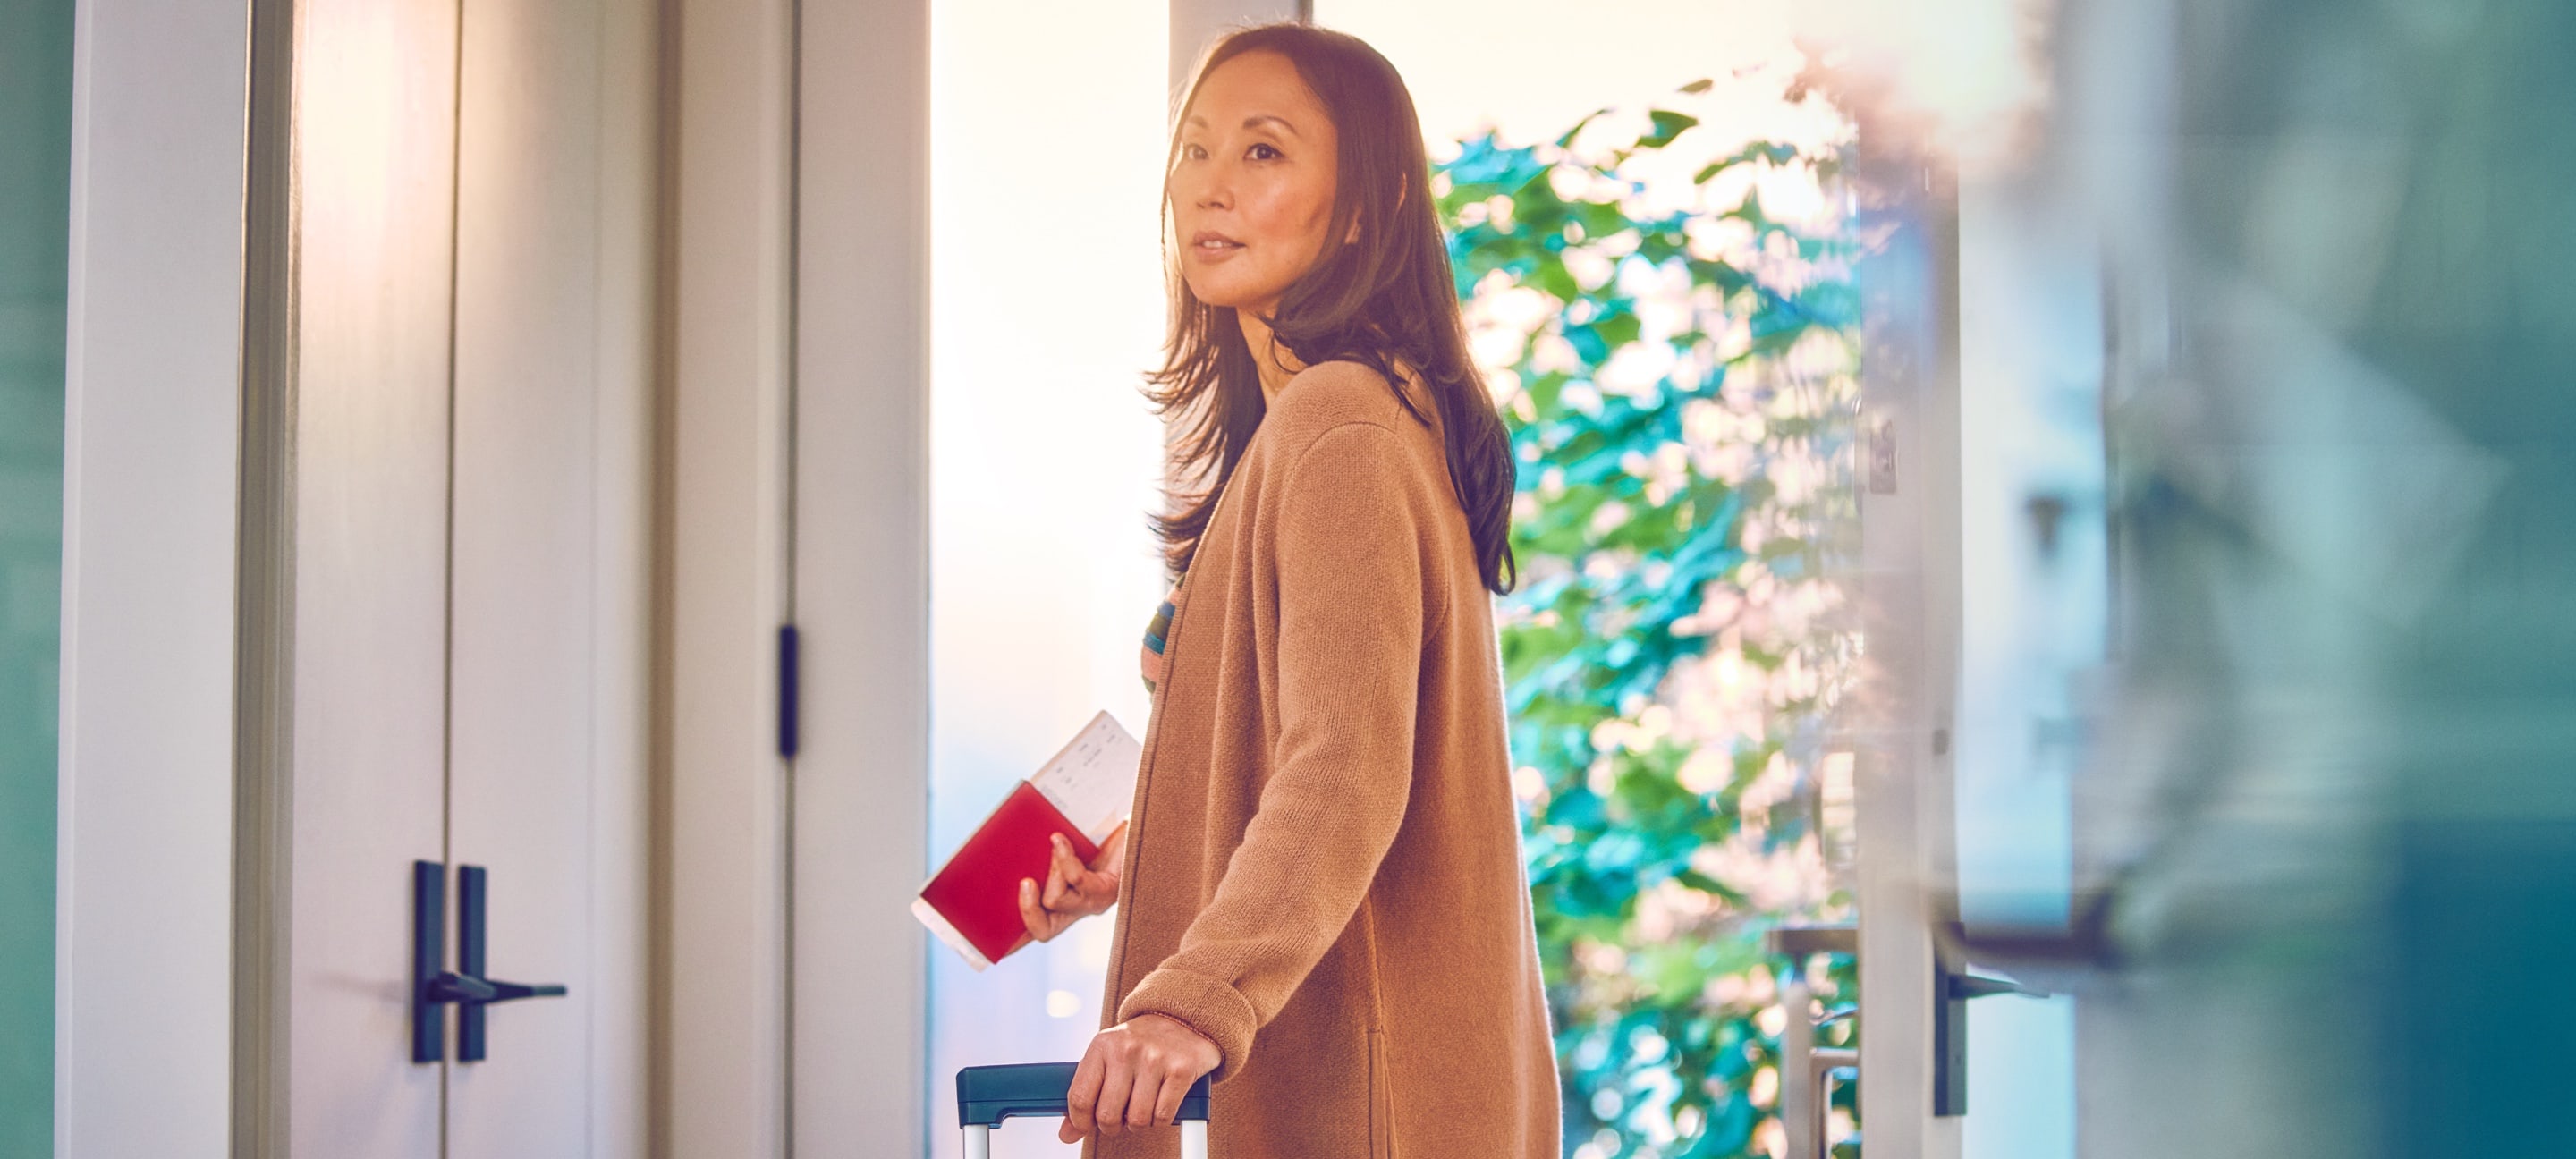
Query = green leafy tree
x=1678 y=369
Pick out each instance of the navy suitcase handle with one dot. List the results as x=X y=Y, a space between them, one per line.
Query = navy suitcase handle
x=986 y=1095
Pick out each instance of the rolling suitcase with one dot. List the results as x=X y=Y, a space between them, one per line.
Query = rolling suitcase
x=986 y=1095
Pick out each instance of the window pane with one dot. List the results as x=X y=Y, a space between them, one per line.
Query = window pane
x=1046 y=301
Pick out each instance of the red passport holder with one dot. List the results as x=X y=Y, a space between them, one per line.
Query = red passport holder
x=973 y=902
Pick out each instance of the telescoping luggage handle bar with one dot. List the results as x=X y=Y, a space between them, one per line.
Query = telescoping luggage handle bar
x=986 y=1095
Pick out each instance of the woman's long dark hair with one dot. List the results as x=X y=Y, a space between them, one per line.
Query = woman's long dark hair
x=1388 y=301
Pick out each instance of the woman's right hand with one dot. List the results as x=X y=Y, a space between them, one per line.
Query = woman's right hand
x=1072 y=891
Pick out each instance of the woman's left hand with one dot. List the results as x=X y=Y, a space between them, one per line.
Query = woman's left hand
x=1134 y=1076
x=1072 y=890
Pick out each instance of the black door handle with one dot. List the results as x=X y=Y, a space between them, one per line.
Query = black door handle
x=1953 y=987
x=466 y=988
x=473 y=895
x=1966 y=986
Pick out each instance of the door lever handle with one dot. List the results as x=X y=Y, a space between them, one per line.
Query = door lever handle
x=473 y=944
x=466 y=989
x=1954 y=985
x=1964 y=986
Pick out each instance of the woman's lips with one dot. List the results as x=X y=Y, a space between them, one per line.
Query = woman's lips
x=1210 y=246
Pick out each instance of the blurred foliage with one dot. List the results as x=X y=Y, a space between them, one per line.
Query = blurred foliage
x=1679 y=378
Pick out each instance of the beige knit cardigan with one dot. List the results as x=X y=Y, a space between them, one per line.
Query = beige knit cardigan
x=1323 y=871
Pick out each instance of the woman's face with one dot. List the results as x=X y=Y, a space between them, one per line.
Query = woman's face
x=1252 y=184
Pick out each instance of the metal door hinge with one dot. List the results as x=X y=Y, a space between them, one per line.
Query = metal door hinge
x=787 y=691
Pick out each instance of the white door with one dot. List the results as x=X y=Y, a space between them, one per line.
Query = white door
x=1984 y=583
x=548 y=625
x=469 y=615
x=375 y=176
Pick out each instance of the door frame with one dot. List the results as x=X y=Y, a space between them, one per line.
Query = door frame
x=144 y=894
x=1904 y=715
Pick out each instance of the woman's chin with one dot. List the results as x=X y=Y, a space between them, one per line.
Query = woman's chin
x=1221 y=295
x=1217 y=299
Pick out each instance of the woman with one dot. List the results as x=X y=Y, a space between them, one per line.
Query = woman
x=1325 y=906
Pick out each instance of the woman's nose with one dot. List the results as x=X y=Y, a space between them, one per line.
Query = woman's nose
x=1206 y=186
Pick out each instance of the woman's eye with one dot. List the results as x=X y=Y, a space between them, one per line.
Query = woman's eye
x=1193 y=153
x=1261 y=153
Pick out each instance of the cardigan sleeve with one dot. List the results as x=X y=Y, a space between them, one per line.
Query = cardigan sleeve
x=1352 y=616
